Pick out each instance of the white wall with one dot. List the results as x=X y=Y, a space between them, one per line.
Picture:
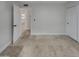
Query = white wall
x=6 y=17
x=6 y=14
x=72 y=4
x=49 y=18
x=5 y=24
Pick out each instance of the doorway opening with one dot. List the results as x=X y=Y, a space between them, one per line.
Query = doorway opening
x=21 y=22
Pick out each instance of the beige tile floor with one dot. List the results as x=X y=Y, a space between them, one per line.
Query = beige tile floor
x=48 y=46
x=11 y=51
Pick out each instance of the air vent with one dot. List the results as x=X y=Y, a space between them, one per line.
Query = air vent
x=25 y=4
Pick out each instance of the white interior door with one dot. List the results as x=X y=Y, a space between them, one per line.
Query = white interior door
x=71 y=22
x=78 y=22
x=21 y=22
x=16 y=23
x=68 y=26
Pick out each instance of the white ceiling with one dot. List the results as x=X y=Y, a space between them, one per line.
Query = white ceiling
x=44 y=1
x=39 y=2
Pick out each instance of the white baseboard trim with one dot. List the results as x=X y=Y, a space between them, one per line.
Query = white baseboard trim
x=4 y=47
x=66 y=34
x=47 y=33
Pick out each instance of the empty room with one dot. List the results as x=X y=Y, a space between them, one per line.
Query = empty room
x=39 y=28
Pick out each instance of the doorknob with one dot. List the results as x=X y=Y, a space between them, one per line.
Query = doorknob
x=34 y=20
x=14 y=25
x=67 y=22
